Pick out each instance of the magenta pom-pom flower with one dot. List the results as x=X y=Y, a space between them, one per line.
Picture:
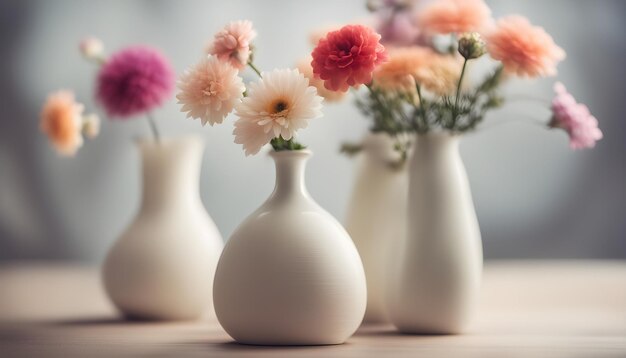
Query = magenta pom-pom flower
x=347 y=57
x=134 y=81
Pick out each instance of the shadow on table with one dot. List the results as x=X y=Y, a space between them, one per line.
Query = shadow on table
x=384 y=330
x=106 y=321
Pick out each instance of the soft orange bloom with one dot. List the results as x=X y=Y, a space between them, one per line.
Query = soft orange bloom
x=61 y=121
x=446 y=16
x=319 y=33
x=409 y=66
x=305 y=68
x=523 y=49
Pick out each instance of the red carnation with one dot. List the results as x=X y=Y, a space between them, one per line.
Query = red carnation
x=347 y=57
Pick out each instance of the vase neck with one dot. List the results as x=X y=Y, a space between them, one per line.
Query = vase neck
x=170 y=172
x=290 y=169
x=436 y=144
x=381 y=148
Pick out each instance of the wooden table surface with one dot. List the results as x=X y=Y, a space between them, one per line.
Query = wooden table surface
x=527 y=309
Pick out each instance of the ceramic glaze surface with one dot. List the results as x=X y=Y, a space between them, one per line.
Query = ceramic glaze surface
x=290 y=274
x=438 y=280
x=162 y=267
x=376 y=217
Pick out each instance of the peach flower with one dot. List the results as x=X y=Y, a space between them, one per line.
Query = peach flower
x=61 y=121
x=410 y=65
x=232 y=44
x=305 y=68
x=209 y=90
x=447 y=16
x=319 y=33
x=523 y=49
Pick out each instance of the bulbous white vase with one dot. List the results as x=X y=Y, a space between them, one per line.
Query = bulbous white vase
x=162 y=266
x=438 y=282
x=290 y=274
x=376 y=217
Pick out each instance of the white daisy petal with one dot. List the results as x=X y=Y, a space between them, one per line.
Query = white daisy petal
x=295 y=102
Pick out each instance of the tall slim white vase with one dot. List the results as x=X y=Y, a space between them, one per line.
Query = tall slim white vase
x=290 y=274
x=162 y=266
x=436 y=287
x=376 y=217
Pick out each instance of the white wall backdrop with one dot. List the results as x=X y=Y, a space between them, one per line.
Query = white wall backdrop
x=535 y=198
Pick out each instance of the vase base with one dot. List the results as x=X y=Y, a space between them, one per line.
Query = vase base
x=430 y=331
x=286 y=344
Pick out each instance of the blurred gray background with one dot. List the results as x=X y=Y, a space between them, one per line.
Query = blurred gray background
x=535 y=197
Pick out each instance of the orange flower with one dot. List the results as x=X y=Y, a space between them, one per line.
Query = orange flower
x=410 y=65
x=523 y=49
x=305 y=68
x=447 y=16
x=61 y=121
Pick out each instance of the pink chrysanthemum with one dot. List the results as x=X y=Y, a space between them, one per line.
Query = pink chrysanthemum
x=209 y=90
x=232 y=44
x=448 y=16
x=575 y=119
x=134 y=81
x=523 y=49
x=347 y=57
x=61 y=121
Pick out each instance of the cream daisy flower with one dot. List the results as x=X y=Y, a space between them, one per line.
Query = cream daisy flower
x=209 y=90
x=91 y=125
x=277 y=105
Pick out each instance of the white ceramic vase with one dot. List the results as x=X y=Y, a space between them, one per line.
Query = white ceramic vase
x=290 y=274
x=376 y=217
x=438 y=280
x=162 y=267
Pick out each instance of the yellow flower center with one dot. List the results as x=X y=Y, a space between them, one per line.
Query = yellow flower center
x=278 y=108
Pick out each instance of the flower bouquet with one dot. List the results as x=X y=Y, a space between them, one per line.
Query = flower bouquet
x=419 y=86
x=162 y=265
x=290 y=267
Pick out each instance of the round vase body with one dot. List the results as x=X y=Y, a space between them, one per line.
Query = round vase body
x=376 y=217
x=162 y=267
x=290 y=274
x=437 y=282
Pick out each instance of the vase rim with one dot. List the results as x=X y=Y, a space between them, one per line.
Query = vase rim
x=304 y=153
x=439 y=134
x=147 y=141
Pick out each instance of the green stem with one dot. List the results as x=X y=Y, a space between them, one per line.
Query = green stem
x=381 y=105
x=253 y=67
x=422 y=111
x=279 y=144
x=153 y=128
x=455 y=110
x=458 y=85
x=523 y=119
x=516 y=98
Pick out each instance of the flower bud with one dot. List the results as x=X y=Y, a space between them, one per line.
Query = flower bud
x=91 y=125
x=471 y=45
x=91 y=48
